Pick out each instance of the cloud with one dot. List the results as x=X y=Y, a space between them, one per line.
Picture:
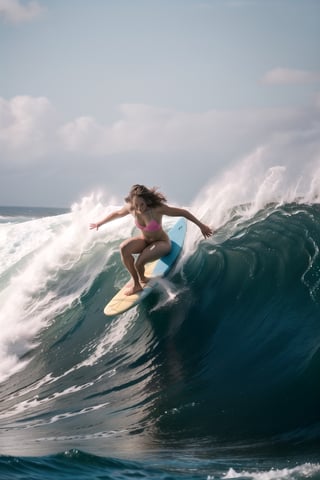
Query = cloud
x=27 y=127
x=149 y=129
x=39 y=149
x=287 y=76
x=31 y=133
x=14 y=11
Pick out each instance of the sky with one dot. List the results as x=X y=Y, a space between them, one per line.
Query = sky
x=97 y=95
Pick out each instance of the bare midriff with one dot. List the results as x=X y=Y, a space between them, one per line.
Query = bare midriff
x=158 y=236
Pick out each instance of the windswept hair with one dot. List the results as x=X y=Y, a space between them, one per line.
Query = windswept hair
x=151 y=196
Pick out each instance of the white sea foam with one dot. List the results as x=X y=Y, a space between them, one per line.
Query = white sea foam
x=26 y=407
x=307 y=470
x=46 y=265
x=250 y=185
x=35 y=403
x=169 y=293
x=112 y=337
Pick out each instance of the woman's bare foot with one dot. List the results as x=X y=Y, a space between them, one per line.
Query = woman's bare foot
x=132 y=289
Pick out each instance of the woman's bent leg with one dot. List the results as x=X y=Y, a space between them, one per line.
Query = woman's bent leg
x=127 y=249
x=152 y=252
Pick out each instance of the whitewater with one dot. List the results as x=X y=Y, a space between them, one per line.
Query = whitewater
x=214 y=376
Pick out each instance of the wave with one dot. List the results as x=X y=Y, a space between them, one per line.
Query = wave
x=81 y=465
x=224 y=354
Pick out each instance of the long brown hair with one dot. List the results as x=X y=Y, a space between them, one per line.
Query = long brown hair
x=151 y=196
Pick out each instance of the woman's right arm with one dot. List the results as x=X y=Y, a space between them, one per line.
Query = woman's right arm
x=122 y=212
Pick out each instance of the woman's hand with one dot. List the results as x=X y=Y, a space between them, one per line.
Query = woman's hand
x=206 y=230
x=93 y=226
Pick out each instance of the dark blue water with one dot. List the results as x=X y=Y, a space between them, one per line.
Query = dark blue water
x=215 y=375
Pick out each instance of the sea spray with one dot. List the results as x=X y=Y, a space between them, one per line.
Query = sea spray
x=52 y=262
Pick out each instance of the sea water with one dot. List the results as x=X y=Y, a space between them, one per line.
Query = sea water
x=214 y=376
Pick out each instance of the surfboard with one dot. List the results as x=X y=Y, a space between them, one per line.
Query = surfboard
x=157 y=269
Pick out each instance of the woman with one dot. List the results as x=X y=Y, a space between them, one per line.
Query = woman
x=147 y=206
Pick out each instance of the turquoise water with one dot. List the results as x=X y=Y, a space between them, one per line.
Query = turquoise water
x=215 y=375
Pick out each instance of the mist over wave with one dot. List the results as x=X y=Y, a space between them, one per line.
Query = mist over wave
x=223 y=356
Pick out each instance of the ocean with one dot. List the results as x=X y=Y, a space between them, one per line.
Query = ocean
x=214 y=376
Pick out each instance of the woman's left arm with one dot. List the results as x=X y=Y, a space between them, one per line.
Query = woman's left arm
x=182 y=212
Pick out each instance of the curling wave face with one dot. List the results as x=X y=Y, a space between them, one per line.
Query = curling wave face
x=225 y=352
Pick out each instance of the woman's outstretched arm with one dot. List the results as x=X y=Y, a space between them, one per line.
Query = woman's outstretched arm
x=182 y=212
x=122 y=212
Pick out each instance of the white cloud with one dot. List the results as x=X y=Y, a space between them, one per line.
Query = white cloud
x=26 y=128
x=148 y=141
x=30 y=132
x=14 y=11
x=287 y=76
x=149 y=129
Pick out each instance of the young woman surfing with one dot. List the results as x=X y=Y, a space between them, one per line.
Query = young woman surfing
x=147 y=207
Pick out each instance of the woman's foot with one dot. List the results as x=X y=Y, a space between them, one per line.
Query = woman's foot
x=132 y=289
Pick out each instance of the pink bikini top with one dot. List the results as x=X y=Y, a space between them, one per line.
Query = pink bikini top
x=152 y=226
